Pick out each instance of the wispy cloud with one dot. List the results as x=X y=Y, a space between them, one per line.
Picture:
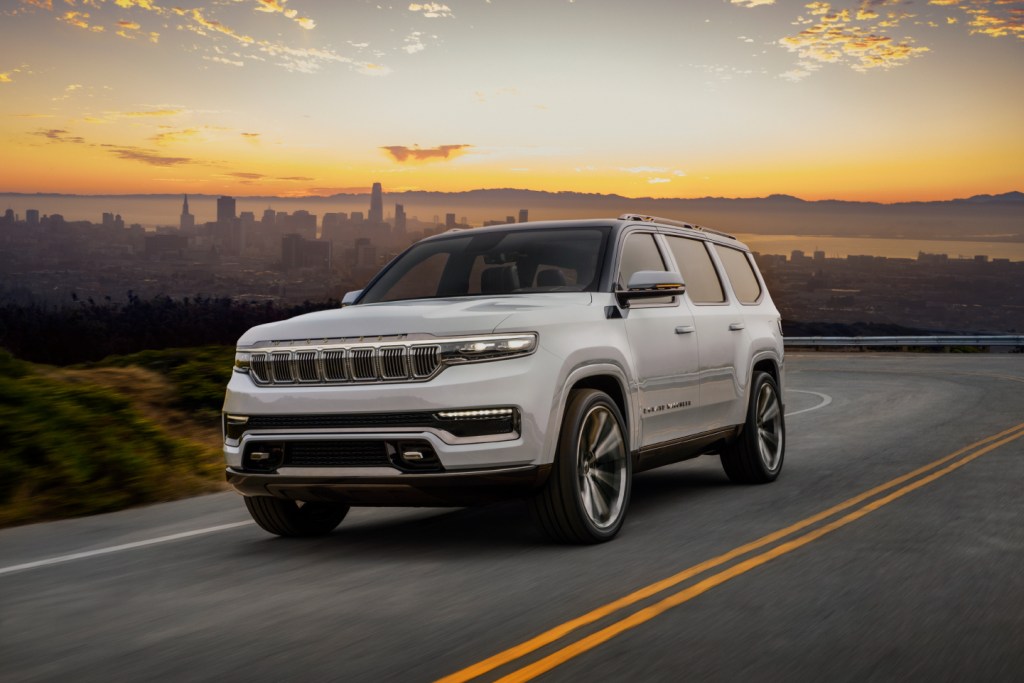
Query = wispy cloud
x=147 y=156
x=431 y=10
x=401 y=154
x=171 y=137
x=278 y=6
x=837 y=37
x=81 y=20
x=59 y=135
x=752 y=3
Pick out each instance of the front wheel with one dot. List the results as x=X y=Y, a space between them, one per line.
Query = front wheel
x=755 y=456
x=295 y=518
x=586 y=496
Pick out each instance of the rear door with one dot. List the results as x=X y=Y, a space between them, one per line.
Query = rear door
x=716 y=318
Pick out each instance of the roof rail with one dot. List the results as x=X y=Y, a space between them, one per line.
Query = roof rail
x=668 y=221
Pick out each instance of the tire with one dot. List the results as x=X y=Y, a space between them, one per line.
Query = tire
x=291 y=518
x=756 y=455
x=585 y=498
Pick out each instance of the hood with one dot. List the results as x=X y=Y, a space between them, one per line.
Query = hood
x=438 y=317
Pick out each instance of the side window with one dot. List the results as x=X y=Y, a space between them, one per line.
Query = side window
x=698 y=271
x=640 y=252
x=741 y=274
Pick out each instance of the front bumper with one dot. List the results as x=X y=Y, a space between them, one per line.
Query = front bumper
x=385 y=487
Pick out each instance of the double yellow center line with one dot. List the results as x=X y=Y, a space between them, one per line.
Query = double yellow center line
x=868 y=502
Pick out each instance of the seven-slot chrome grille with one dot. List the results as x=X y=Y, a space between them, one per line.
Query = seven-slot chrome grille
x=356 y=365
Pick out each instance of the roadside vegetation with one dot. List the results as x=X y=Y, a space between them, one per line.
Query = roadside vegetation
x=125 y=431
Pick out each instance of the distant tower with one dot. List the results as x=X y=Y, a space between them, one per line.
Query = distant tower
x=376 y=214
x=225 y=210
x=32 y=216
x=188 y=221
x=399 y=219
x=524 y=215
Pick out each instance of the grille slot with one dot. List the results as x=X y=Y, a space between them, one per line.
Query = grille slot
x=260 y=368
x=281 y=367
x=334 y=366
x=393 y=362
x=364 y=366
x=305 y=367
x=425 y=360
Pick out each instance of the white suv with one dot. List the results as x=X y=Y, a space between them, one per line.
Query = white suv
x=547 y=360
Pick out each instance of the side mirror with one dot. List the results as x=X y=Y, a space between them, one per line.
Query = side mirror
x=350 y=297
x=650 y=284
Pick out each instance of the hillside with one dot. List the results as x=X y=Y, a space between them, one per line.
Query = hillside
x=80 y=441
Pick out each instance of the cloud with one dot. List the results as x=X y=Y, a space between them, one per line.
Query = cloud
x=142 y=4
x=213 y=25
x=247 y=176
x=152 y=113
x=278 y=7
x=81 y=20
x=59 y=135
x=175 y=136
x=296 y=179
x=147 y=156
x=250 y=136
x=834 y=37
x=752 y=3
x=414 y=43
x=402 y=154
x=5 y=77
x=658 y=181
x=644 y=169
x=432 y=10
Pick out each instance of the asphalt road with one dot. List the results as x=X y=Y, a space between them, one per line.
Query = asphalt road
x=918 y=579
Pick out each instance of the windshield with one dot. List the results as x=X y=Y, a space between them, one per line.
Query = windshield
x=495 y=262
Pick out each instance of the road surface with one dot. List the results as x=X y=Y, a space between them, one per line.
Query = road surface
x=891 y=548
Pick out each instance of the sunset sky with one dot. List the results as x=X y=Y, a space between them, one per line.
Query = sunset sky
x=873 y=100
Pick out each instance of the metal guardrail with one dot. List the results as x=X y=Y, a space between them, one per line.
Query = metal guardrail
x=938 y=340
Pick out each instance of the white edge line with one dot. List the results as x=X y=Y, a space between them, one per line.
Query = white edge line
x=118 y=548
x=825 y=400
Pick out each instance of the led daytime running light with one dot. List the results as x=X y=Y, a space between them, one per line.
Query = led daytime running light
x=489 y=412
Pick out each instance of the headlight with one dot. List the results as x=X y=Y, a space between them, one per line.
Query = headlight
x=242 y=361
x=488 y=348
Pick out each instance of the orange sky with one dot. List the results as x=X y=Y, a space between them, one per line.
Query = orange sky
x=865 y=100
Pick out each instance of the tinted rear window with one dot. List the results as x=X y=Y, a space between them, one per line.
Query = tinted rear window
x=741 y=274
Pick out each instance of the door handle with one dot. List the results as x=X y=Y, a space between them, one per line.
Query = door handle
x=735 y=327
x=684 y=329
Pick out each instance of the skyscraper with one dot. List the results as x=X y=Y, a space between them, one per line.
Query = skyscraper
x=399 y=219
x=376 y=214
x=188 y=221
x=524 y=215
x=225 y=210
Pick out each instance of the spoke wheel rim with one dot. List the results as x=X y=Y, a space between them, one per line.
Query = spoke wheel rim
x=601 y=467
x=770 y=436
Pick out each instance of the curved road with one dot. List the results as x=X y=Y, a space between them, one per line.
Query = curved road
x=891 y=548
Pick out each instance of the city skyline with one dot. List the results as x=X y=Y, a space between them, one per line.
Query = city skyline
x=873 y=100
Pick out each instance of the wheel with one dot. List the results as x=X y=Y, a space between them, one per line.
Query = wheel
x=585 y=498
x=755 y=457
x=293 y=518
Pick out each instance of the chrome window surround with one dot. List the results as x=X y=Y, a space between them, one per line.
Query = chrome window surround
x=366 y=361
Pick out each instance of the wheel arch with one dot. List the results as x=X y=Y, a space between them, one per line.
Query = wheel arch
x=607 y=377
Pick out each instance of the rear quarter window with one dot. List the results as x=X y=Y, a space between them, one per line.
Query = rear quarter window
x=741 y=274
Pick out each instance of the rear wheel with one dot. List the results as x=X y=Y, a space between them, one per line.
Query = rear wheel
x=586 y=496
x=755 y=457
x=295 y=518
